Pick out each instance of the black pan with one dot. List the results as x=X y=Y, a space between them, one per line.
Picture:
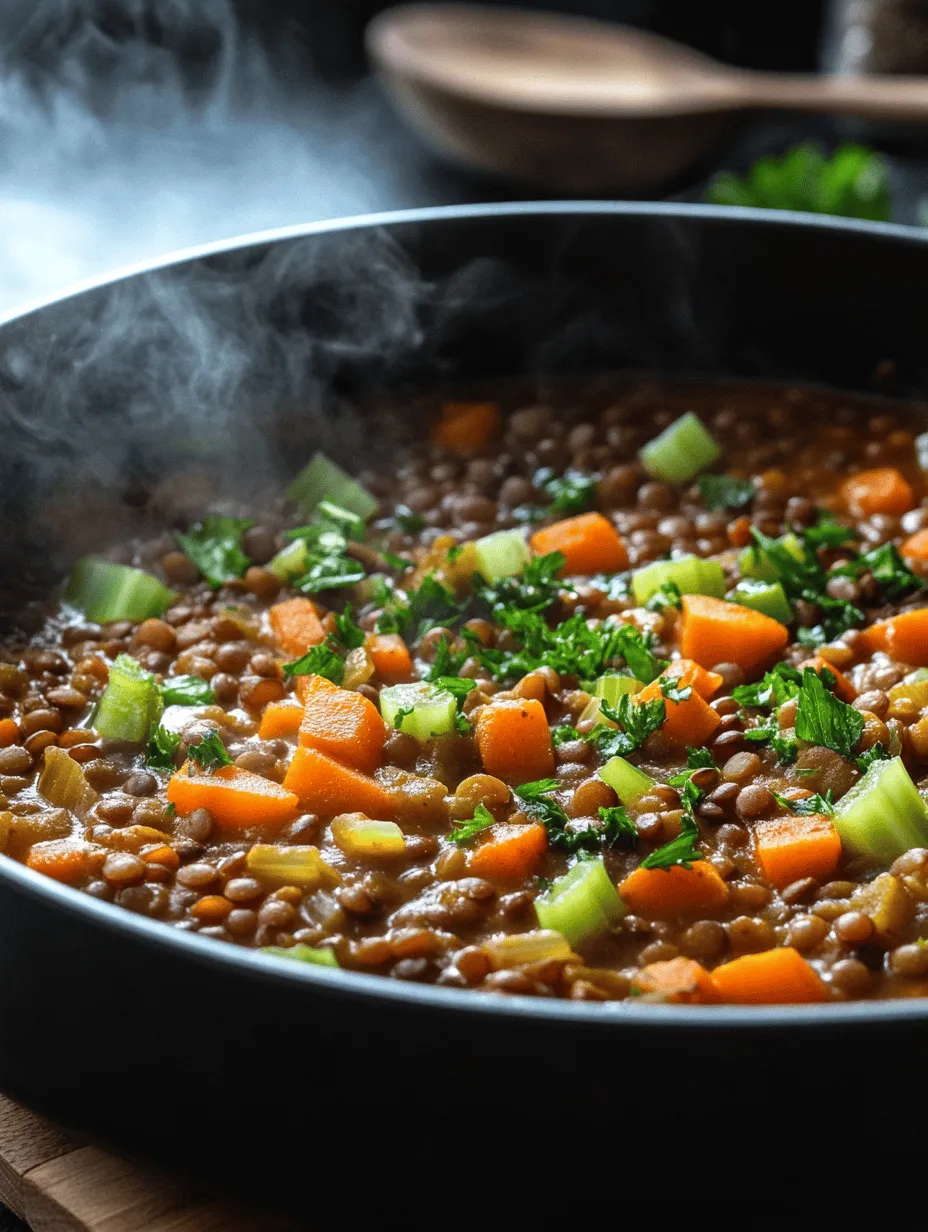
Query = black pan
x=283 y=1078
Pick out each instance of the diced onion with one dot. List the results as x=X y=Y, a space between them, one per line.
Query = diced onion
x=539 y=945
x=63 y=783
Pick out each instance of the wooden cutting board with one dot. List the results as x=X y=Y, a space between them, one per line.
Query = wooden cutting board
x=58 y=1185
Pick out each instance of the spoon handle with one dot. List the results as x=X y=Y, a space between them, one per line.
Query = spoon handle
x=867 y=97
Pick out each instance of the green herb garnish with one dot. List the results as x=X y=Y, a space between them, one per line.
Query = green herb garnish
x=186 y=691
x=667 y=595
x=431 y=604
x=637 y=721
x=721 y=492
x=535 y=589
x=405 y=520
x=323 y=660
x=889 y=571
x=564 y=734
x=775 y=688
x=215 y=547
x=538 y=804
x=350 y=634
x=447 y=662
x=209 y=753
x=673 y=691
x=162 y=746
x=465 y=831
x=681 y=850
x=328 y=564
x=809 y=805
x=806 y=579
x=824 y=719
x=876 y=752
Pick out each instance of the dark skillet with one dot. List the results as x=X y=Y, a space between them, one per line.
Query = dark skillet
x=279 y=1077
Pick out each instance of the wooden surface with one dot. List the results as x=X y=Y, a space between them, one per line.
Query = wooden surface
x=58 y=1185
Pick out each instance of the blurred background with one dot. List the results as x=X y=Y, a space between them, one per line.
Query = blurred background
x=132 y=127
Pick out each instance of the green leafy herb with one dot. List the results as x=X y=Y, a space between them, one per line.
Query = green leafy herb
x=454 y=552
x=810 y=805
x=806 y=579
x=824 y=719
x=876 y=752
x=571 y=492
x=696 y=759
x=429 y=605
x=447 y=662
x=666 y=595
x=186 y=691
x=720 y=492
x=618 y=828
x=637 y=721
x=328 y=564
x=215 y=547
x=775 y=688
x=635 y=648
x=785 y=746
x=828 y=533
x=853 y=181
x=399 y=564
x=401 y=714
x=700 y=759
x=571 y=648
x=162 y=746
x=457 y=686
x=535 y=589
x=563 y=734
x=537 y=803
x=889 y=571
x=323 y=660
x=674 y=691
x=465 y=831
x=681 y=850
x=405 y=520
x=350 y=634
x=209 y=753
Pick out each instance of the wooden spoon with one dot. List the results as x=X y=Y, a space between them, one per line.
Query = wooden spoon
x=581 y=105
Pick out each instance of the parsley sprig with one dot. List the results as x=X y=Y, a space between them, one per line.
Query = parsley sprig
x=809 y=805
x=209 y=753
x=721 y=492
x=414 y=612
x=535 y=589
x=637 y=721
x=466 y=831
x=538 y=802
x=215 y=547
x=823 y=719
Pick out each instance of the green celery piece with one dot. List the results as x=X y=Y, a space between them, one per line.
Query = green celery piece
x=105 y=591
x=612 y=685
x=432 y=711
x=503 y=554
x=130 y=705
x=323 y=956
x=627 y=781
x=681 y=451
x=581 y=904
x=883 y=815
x=766 y=597
x=322 y=480
x=755 y=564
x=290 y=562
x=691 y=574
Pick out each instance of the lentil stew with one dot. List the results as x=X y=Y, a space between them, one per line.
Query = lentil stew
x=616 y=692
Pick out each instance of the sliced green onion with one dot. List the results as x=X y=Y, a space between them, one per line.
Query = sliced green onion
x=357 y=835
x=64 y=784
x=322 y=480
x=690 y=574
x=299 y=866
x=129 y=705
x=290 y=562
x=539 y=945
x=105 y=591
x=883 y=815
x=681 y=451
x=503 y=554
x=754 y=562
x=581 y=904
x=419 y=709
x=767 y=597
x=627 y=781
x=323 y=956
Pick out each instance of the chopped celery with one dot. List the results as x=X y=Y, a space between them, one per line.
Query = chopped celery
x=883 y=815
x=690 y=574
x=681 y=451
x=322 y=480
x=754 y=562
x=299 y=866
x=105 y=591
x=627 y=781
x=419 y=709
x=503 y=554
x=290 y=562
x=357 y=835
x=613 y=685
x=539 y=945
x=64 y=784
x=322 y=956
x=129 y=705
x=581 y=904
x=767 y=597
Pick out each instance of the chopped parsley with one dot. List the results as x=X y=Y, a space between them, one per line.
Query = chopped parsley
x=828 y=533
x=405 y=520
x=215 y=547
x=681 y=850
x=876 y=752
x=563 y=734
x=209 y=753
x=186 y=691
x=328 y=564
x=635 y=648
x=535 y=589
x=809 y=805
x=569 y=493
x=162 y=746
x=637 y=721
x=465 y=831
x=889 y=571
x=720 y=492
x=427 y=606
x=448 y=662
x=458 y=687
x=537 y=802
x=350 y=634
x=618 y=829
x=674 y=691
x=667 y=595
x=806 y=579
x=323 y=660
x=401 y=714
x=785 y=746
x=696 y=759
x=775 y=688
x=824 y=719
x=571 y=648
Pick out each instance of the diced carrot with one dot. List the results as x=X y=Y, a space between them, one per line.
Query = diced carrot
x=234 y=797
x=391 y=658
x=510 y=852
x=689 y=722
x=589 y=542
x=466 y=427
x=296 y=626
x=9 y=732
x=514 y=740
x=681 y=980
x=773 y=977
x=903 y=637
x=793 y=847
x=882 y=490
x=66 y=859
x=843 y=687
x=344 y=725
x=715 y=631
x=280 y=719
x=706 y=684
x=915 y=548
x=161 y=855
x=325 y=786
x=305 y=685
x=663 y=893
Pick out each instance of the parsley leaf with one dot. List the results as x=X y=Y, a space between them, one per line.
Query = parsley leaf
x=162 y=746
x=429 y=605
x=618 y=828
x=696 y=759
x=215 y=547
x=776 y=687
x=401 y=714
x=824 y=719
x=447 y=662
x=350 y=634
x=323 y=660
x=785 y=747
x=209 y=753
x=720 y=492
x=186 y=691
x=809 y=805
x=535 y=589
x=463 y=832
x=674 y=691
x=700 y=759
x=571 y=648
x=328 y=564
x=681 y=850
x=637 y=721
x=889 y=571
x=666 y=595
x=563 y=734
x=571 y=492
x=876 y=752
x=828 y=533
x=635 y=648
x=806 y=579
